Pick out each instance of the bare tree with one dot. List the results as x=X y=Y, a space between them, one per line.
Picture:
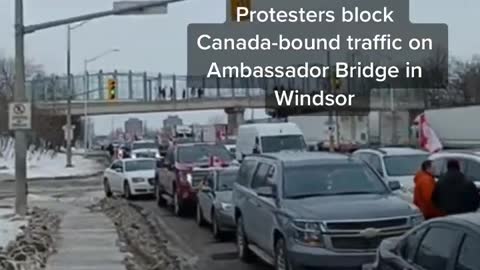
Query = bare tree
x=46 y=125
x=465 y=75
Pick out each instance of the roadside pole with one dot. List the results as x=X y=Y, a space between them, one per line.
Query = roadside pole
x=21 y=30
x=19 y=96
x=86 y=128
x=69 y=101
x=330 y=112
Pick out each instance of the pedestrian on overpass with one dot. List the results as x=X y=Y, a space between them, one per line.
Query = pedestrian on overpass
x=159 y=93
x=422 y=194
x=184 y=94
x=454 y=193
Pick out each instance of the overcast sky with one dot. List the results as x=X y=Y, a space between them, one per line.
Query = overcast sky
x=158 y=43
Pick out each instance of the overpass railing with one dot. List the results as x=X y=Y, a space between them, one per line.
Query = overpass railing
x=130 y=86
x=147 y=87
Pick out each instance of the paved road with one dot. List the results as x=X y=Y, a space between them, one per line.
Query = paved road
x=212 y=254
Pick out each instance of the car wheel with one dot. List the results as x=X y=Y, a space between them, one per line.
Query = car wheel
x=158 y=196
x=126 y=191
x=199 y=216
x=177 y=208
x=106 y=188
x=217 y=231
x=281 y=259
x=244 y=252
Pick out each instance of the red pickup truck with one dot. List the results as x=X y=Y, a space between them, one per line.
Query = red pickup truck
x=178 y=179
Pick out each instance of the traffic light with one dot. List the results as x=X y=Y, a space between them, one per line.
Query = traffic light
x=112 y=89
x=235 y=4
x=337 y=83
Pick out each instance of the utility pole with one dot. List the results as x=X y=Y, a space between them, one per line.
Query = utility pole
x=394 y=116
x=86 y=128
x=19 y=96
x=353 y=119
x=330 y=112
x=69 y=102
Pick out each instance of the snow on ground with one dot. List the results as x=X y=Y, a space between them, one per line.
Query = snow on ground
x=9 y=226
x=46 y=165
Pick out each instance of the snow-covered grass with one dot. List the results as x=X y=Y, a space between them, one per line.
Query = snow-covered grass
x=43 y=163
x=9 y=226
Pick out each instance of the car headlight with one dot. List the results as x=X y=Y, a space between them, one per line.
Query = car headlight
x=189 y=178
x=226 y=206
x=137 y=180
x=308 y=233
x=134 y=155
x=157 y=155
x=416 y=220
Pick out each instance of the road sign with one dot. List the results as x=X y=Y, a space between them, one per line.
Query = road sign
x=20 y=116
x=145 y=11
x=68 y=133
x=235 y=4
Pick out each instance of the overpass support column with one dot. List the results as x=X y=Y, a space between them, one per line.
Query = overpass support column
x=235 y=117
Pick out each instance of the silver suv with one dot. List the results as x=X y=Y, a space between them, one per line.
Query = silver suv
x=313 y=209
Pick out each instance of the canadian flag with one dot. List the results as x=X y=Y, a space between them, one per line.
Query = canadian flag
x=215 y=162
x=221 y=135
x=428 y=138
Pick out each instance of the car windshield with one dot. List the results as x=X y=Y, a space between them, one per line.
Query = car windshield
x=140 y=165
x=331 y=179
x=199 y=153
x=226 y=180
x=273 y=144
x=144 y=145
x=405 y=165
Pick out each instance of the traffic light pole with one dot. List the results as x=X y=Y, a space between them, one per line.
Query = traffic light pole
x=330 y=112
x=19 y=94
x=69 y=102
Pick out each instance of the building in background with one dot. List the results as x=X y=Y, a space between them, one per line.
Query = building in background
x=172 y=121
x=134 y=126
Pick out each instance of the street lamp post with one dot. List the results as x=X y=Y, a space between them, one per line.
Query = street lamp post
x=68 y=130
x=19 y=94
x=86 y=129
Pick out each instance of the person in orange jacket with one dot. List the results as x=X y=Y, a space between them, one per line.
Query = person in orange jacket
x=424 y=186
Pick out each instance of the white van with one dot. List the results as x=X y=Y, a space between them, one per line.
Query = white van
x=268 y=138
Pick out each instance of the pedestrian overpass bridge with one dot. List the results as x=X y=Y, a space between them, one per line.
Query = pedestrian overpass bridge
x=139 y=93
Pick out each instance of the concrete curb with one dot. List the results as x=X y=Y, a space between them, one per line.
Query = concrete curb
x=66 y=177
x=176 y=244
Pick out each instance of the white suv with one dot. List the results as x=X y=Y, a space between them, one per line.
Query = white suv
x=394 y=163
x=469 y=163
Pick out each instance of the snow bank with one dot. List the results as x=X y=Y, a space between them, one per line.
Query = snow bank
x=43 y=163
x=9 y=226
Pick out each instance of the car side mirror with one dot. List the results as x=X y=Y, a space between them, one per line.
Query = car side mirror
x=394 y=185
x=268 y=191
x=118 y=170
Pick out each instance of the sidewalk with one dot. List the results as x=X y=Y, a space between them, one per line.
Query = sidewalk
x=86 y=241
